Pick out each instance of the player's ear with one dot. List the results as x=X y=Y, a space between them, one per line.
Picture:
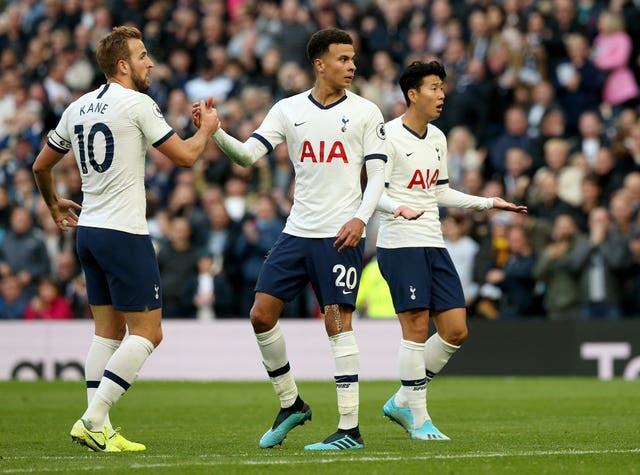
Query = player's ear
x=318 y=64
x=123 y=66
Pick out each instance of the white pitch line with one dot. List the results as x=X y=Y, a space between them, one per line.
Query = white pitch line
x=307 y=461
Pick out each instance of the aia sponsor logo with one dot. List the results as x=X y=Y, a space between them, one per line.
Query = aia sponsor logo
x=323 y=152
x=425 y=180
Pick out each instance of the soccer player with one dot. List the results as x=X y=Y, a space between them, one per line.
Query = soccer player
x=109 y=131
x=330 y=133
x=411 y=250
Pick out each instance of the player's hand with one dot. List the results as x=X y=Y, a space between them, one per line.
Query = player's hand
x=407 y=213
x=205 y=116
x=63 y=214
x=499 y=203
x=349 y=234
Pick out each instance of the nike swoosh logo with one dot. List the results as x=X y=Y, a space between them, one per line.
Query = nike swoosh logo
x=409 y=154
x=346 y=292
x=296 y=124
x=101 y=446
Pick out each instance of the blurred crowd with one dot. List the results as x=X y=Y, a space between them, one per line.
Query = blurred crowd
x=542 y=109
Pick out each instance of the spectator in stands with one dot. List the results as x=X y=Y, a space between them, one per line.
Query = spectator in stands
x=577 y=80
x=517 y=175
x=626 y=141
x=222 y=238
x=591 y=198
x=210 y=79
x=260 y=230
x=561 y=23
x=297 y=28
x=621 y=213
x=13 y=36
x=205 y=293
x=601 y=261
x=48 y=304
x=519 y=296
x=609 y=172
x=569 y=176
x=13 y=300
x=543 y=99
x=25 y=193
x=492 y=255
x=591 y=137
x=515 y=135
x=71 y=283
x=556 y=269
x=23 y=252
x=553 y=126
x=463 y=156
x=612 y=52
x=178 y=265
x=58 y=94
x=183 y=201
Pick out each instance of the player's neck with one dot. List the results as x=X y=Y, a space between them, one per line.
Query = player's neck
x=326 y=95
x=124 y=82
x=415 y=121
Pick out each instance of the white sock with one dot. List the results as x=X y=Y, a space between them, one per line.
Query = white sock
x=436 y=355
x=347 y=360
x=413 y=392
x=119 y=374
x=274 y=358
x=100 y=351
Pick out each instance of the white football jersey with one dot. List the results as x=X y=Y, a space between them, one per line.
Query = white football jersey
x=110 y=130
x=328 y=147
x=415 y=166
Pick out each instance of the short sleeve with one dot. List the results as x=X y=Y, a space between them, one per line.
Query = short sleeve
x=151 y=121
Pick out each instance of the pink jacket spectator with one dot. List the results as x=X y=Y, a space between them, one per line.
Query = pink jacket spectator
x=58 y=310
x=612 y=52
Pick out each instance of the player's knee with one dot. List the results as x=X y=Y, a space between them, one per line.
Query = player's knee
x=260 y=320
x=157 y=338
x=457 y=336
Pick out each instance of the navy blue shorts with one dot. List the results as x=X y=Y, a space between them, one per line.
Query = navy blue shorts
x=121 y=269
x=294 y=261
x=421 y=277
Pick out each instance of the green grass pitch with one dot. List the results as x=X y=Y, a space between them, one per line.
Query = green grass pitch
x=497 y=425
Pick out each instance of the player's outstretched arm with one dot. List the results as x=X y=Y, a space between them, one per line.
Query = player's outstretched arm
x=499 y=203
x=184 y=153
x=244 y=154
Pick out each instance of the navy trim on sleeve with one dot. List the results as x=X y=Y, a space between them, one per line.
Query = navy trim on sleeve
x=164 y=139
x=264 y=141
x=373 y=156
x=442 y=182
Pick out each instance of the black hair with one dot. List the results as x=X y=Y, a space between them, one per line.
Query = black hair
x=413 y=75
x=321 y=40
